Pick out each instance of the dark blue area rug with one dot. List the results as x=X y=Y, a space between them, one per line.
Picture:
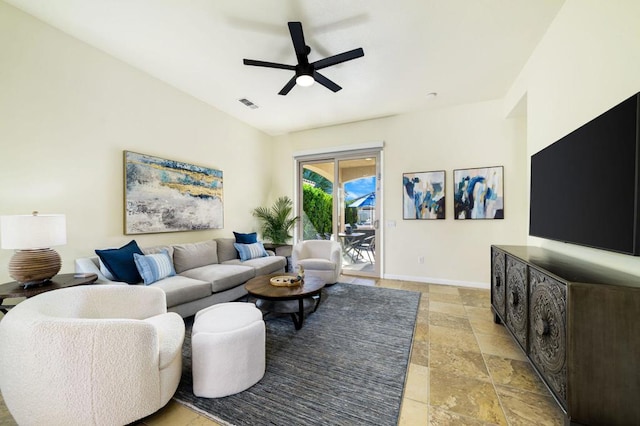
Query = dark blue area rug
x=346 y=366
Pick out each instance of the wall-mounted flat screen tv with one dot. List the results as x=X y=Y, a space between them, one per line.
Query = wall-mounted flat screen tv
x=584 y=187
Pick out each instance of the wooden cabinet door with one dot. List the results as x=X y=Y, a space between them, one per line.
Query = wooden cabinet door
x=517 y=299
x=498 y=281
x=548 y=330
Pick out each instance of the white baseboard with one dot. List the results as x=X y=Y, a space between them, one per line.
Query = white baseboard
x=437 y=281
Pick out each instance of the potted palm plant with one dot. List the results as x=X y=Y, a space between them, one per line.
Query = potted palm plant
x=276 y=221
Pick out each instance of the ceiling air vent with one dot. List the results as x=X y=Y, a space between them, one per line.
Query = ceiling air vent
x=248 y=103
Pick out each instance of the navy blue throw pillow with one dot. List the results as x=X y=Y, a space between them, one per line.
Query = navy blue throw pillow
x=251 y=238
x=120 y=262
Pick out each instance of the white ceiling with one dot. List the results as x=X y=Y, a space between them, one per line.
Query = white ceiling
x=465 y=50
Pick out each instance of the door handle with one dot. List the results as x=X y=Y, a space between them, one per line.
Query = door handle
x=376 y=223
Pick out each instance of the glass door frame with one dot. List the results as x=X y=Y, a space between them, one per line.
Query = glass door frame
x=335 y=157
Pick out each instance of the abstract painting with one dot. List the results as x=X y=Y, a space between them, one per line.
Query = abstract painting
x=168 y=196
x=478 y=193
x=423 y=195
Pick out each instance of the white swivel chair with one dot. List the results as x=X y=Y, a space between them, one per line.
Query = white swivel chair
x=319 y=258
x=90 y=355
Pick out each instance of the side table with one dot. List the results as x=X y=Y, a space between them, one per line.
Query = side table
x=15 y=289
x=281 y=250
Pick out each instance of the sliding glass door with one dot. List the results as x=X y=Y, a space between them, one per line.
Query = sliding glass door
x=337 y=199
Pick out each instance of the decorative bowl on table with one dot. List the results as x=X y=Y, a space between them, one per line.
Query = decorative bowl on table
x=285 y=281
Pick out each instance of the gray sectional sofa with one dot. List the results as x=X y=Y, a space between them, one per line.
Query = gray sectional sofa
x=207 y=272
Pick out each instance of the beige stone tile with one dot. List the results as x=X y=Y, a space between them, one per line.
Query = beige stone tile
x=445 y=297
x=480 y=298
x=503 y=346
x=417 y=383
x=487 y=326
x=421 y=332
x=420 y=353
x=450 y=321
x=413 y=413
x=461 y=339
x=447 y=308
x=177 y=414
x=469 y=397
x=481 y=313
x=514 y=373
x=395 y=284
x=424 y=302
x=440 y=417
x=413 y=286
x=527 y=408
x=447 y=289
x=454 y=361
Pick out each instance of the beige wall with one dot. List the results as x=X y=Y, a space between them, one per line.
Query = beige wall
x=588 y=61
x=67 y=112
x=455 y=251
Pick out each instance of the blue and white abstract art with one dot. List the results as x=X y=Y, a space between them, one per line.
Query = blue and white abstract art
x=423 y=195
x=478 y=193
x=169 y=196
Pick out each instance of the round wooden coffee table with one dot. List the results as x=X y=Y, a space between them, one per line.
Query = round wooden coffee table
x=288 y=300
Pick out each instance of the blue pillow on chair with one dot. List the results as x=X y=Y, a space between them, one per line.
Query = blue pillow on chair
x=120 y=262
x=250 y=251
x=251 y=238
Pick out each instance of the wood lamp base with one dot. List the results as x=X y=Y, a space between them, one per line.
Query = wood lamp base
x=34 y=267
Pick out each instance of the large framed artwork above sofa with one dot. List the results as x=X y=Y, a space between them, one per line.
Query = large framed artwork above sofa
x=168 y=196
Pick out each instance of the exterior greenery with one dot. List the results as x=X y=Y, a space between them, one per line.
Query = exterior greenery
x=277 y=221
x=318 y=212
x=317 y=207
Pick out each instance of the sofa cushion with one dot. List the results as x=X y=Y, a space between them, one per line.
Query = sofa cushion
x=250 y=251
x=154 y=267
x=226 y=249
x=221 y=277
x=194 y=255
x=262 y=265
x=120 y=262
x=246 y=238
x=158 y=249
x=180 y=289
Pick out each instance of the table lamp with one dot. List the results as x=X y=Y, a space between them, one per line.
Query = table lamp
x=34 y=262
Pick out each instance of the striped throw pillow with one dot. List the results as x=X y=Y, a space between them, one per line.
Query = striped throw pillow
x=154 y=267
x=250 y=251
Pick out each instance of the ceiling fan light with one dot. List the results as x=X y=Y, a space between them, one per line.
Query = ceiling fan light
x=304 y=80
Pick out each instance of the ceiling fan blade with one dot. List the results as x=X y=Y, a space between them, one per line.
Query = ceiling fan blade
x=326 y=82
x=287 y=87
x=337 y=59
x=297 y=36
x=268 y=64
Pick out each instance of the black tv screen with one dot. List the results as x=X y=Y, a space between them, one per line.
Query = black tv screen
x=584 y=187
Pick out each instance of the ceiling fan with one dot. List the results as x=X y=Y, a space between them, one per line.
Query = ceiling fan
x=307 y=73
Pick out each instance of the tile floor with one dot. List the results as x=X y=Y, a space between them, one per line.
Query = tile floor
x=464 y=369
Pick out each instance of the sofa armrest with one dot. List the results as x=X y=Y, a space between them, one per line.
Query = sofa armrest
x=88 y=265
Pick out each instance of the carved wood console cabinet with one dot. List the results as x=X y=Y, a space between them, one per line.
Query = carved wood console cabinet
x=579 y=325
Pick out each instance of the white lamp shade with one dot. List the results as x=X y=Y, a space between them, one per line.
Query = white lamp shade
x=24 y=232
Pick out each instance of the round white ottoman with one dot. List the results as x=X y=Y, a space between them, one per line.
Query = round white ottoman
x=227 y=349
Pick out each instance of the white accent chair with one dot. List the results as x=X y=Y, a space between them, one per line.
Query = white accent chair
x=319 y=258
x=90 y=355
x=228 y=349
